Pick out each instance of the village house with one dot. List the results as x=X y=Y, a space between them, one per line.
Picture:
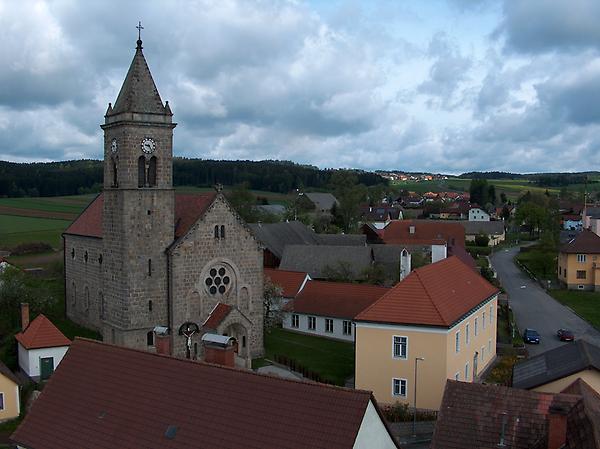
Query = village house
x=578 y=267
x=323 y=202
x=476 y=416
x=327 y=309
x=555 y=369
x=10 y=399
x=106 y=396
x=40 y=346
x=442 y=317
x=476 y=213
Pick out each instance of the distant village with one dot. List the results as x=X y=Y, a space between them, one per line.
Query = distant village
x=421 y=304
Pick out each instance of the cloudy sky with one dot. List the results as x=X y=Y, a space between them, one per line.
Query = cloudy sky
x=447 y=86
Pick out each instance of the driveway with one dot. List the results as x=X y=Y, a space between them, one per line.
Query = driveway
x=534 y=308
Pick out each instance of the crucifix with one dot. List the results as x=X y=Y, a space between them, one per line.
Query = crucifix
x=188 y=329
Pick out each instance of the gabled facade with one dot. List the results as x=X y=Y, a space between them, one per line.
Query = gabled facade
x=579 y=262
x=444 y=313
x=476 y=213
x=10 y=400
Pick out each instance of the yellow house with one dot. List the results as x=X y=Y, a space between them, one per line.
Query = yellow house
x=579 y=262
x=9 y=394
x=554 y=370
x=438 y=323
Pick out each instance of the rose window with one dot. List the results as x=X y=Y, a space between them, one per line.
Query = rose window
x=218 y=280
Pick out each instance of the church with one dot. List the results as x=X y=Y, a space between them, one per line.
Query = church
x=142 y=257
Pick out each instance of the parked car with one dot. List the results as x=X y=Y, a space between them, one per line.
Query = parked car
x=531 y=336
x=565 y=335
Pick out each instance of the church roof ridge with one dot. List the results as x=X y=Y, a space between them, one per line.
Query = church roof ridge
x=138 y=92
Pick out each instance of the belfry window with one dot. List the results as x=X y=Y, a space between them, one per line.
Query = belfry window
x=141 y=171
x=152 y=172
x=216 y=231
x=115 y=180
x=222 y=231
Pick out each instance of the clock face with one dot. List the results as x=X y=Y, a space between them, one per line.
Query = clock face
x=148 y=145
x=114 y=146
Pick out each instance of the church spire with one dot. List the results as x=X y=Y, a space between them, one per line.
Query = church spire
x=138 y=93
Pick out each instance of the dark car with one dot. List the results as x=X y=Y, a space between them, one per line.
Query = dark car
x=531 y=336
x=565 y=335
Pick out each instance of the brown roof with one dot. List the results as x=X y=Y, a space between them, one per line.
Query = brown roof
x=583 y=421
x=335 y=299
x=103 y=396
x=4 y=370
x=586 y=242
x=289 y=281
x=471 y=416
x=438 y=294
x=41 y=333
x=188 y=209
x=425 y=232
x=217 y=315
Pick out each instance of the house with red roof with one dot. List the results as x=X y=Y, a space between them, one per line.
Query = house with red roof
x=41 y=346
x=327 y=309
x=440 y=320
x=290 y=282
x=105 y=396
x=578 y=267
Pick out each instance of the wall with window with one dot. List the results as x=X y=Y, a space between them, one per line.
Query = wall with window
x=9 y=402
x=29 y=360
x=340 y=331
x=577 y=271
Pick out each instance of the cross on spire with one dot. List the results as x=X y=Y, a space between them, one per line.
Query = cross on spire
x=139 y=41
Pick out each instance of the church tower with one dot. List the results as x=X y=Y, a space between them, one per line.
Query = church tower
x=138 y=210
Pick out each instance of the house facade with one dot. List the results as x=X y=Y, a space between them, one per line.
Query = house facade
x=579 y=262
x=478 y=214
x=441 y=319
x=10 y=403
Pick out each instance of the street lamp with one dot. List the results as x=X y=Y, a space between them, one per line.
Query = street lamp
x=415 y=400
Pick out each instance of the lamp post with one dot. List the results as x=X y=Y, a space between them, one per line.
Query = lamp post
x=415 y=399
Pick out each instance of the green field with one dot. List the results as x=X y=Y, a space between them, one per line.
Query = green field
x=15 y=230
x=333 y=360
x=585 y=304
x=69 y=204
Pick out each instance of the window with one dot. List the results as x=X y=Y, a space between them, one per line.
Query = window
x=565 y=273
x=581 y=258
x=150 y=306
x=399 y=387
x=102 y=307
x=152 y=172
x=87 y=300
x=476 y=326
x=150 y=338
x=219 y=280
x=141 y=171
x=467 y=371
x=100 y=259
x=457 y=375
x=457 y=342
x=581 y=274
x=581 y=287
x=295 y=320
x=216 y=231
x=490 y=345
x=1 y=401
x=347 y=327
x=328 y=325
x=467 y=336
x=115 y=180
x=149 y=267
x=85 y=257
x=312 y=323
x=73 y=253
x=482 y=353
x=559 y=270
x=222 y=231
x=491 y=313
x=483 y=320
x=400 y=347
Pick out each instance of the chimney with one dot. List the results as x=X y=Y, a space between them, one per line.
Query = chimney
x=557 y=426
x=162 y=340
x=24 y=316
x=219 y=349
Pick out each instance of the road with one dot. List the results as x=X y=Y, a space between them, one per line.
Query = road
x=534 y=308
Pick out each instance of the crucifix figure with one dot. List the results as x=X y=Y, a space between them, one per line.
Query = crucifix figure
x=188 y=330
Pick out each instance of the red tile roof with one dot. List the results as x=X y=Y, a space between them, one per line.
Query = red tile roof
x=217 y=315
x=104 y=397
x=41 y=333
x=586 y=242
x=438 y=294
x=335 y=299
x=188 y=209
x=471 y=416
x=289 y=281
x=425 y=232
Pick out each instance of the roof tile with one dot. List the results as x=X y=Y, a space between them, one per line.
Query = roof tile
x=41 y=333
x=289 y=281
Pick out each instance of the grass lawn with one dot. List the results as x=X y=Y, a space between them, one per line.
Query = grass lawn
x=585 y=304
x=333 y=360
x=541 y=263
x=15 y=230
x=72 y=204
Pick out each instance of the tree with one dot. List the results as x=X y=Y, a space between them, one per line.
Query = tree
x=375 y=274
x=482 y=240
x=349 y=194
x=272 y=295
x=503 y=197
x=491 y=194
x=479 y=191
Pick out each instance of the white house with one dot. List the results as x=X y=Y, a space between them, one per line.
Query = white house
x=41 y=346
x=327 y=309
x=478 y=214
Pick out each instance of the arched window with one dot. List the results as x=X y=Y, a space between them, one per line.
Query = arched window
x=150 y=338
x=150 y=306
x=85 y=257
x=102 y=306
x=216 y=231
x=222 y=231
x=149 y=267
x=115 y=182
x=152 y=172
x=141 y=171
